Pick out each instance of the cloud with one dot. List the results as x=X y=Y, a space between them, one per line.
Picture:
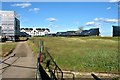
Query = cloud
x=51 y=19
x=92 y=23
x=108 y=8
x=22 y=5
x=114 y=0
x=106 y=20
x=34 y=9
x=98 y=19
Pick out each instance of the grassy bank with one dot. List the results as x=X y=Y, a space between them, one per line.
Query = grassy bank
x=6 y=47
x=85 y=54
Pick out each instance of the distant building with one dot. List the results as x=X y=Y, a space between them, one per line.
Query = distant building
x=24 y=34
x=61 y=34
x=90 y=32
x=10 y=25
x=71 y=33
x=52 y=34
x=68 y=33
x=35 y=31
x=116 y=31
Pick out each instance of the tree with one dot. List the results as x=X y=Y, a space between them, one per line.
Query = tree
x=80 y=29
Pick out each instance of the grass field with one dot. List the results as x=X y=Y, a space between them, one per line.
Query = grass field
x=6 y=47
x=86 y=54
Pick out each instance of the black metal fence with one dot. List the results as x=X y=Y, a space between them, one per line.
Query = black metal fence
x=47 y=68
x=54 y=70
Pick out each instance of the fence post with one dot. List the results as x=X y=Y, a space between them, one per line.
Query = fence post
x=41 y=50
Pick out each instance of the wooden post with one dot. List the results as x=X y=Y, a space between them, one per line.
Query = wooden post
x=41 y=50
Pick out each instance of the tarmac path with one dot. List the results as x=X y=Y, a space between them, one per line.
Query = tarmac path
x=24 y=63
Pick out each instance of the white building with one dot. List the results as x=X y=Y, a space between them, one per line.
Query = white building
x=35 y=31
x=10 y=25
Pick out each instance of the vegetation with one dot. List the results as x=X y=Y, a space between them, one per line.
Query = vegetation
x=96 y=54
x=5 y=48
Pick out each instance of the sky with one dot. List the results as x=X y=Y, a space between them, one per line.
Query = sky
x=60 y=0
x=66 y=16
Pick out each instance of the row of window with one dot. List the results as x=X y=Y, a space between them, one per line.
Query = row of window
x=6 y=22
x=8 y=31
x=7 y=15
x=7 y=18
x=8 y=28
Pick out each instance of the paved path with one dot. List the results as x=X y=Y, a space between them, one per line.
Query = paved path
x=24 y=62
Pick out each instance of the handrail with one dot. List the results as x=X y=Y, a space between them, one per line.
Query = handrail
x=56 y=72
x=56 y=66
x=95 y=77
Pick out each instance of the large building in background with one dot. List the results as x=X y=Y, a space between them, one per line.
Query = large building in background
x=26 y=32
x=10 y=25
x=116 y=31
x=90 y=32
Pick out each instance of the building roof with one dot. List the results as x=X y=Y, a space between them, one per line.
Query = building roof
x=13 y=13
x=71 y=31
x=37 y=29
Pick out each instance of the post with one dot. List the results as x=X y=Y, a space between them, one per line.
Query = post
x=41 y=50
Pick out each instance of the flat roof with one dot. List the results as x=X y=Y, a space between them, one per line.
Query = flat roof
x=6 y=11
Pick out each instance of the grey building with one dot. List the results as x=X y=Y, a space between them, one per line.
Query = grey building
x=116 y=31
x=10 y=25
x=61 y=34
x=90 y=32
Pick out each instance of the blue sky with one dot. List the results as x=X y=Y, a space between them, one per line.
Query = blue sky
x=66 y=16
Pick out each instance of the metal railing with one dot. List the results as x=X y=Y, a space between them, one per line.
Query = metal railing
x=46 y=63
x=53 y=68
x=47 y=67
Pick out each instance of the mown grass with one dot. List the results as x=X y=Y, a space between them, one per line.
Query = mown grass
x=87 y=54
x=6 y=47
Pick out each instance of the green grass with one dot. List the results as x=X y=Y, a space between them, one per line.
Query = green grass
x=6 y=47
x=96 y=54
